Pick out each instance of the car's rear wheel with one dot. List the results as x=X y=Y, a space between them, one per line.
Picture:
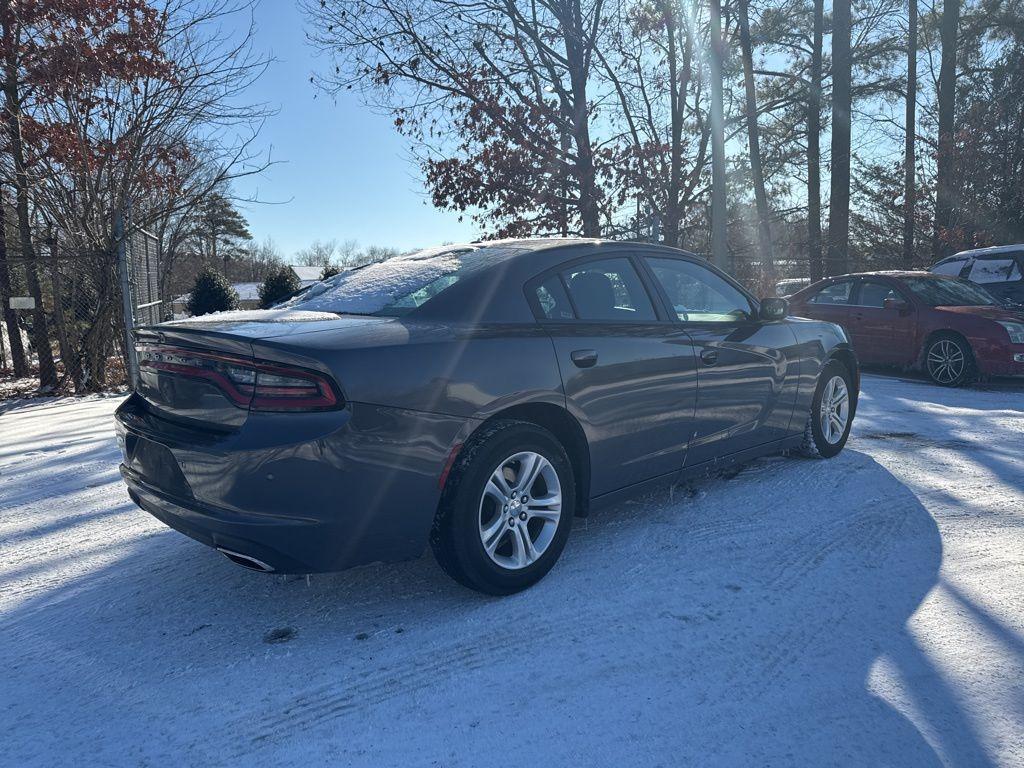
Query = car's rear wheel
x=828 y=424
x=506 y=510
x=949 y=360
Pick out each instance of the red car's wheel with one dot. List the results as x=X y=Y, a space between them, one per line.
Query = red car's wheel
x=949 y=361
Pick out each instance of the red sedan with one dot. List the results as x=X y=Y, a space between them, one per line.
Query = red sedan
x=950 y=328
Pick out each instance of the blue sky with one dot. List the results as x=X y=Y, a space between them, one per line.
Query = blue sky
x=344 y=172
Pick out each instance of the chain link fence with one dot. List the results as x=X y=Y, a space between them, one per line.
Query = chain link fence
x=86 y=301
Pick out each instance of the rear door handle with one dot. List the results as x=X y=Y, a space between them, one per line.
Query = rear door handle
x=584 y=358
x=709 y=356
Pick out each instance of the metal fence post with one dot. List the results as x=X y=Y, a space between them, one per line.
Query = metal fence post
x=121 y=244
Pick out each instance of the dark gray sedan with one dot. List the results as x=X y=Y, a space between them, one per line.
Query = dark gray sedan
x=476 y=397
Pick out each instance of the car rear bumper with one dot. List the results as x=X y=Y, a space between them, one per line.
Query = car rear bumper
x=300 y=495
x=280 y=544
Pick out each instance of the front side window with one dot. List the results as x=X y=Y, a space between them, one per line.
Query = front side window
x=874 y=294
x=994 y=271
x=697 y=294
x=835 y=293
x=609 y=290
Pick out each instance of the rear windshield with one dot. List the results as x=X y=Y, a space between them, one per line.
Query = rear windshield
x=948 y=292
x=393 y=287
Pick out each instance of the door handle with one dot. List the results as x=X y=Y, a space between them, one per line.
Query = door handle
x=584 y=358
x=709 y=356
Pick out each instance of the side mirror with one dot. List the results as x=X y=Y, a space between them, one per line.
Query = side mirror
x=773 y=308
x=899 y=304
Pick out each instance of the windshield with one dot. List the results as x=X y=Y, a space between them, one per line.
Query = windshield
x=949 y=292
x=393 y=287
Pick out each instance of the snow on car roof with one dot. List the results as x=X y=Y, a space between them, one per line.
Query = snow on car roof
x=1018 y=248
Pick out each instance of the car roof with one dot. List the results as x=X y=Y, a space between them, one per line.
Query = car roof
x=990 y=251
x=511 y=263
x=534 y=244
x=890 y=273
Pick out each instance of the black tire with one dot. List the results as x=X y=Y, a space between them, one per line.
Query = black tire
x=939 y=347
x=456 y=537
x=815 y=444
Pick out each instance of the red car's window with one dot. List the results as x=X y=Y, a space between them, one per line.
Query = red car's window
x=874 y=294
x=836 y=293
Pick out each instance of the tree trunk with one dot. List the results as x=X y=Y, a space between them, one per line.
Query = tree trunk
x=945 y=188
x=40 y=337
x=672 y=213
x=910 y=154
x=719 y=233
x=815 y=266
x=18 y=360
x=69 y=353
x=586 y=175
x=764 y=230
x=839 y=194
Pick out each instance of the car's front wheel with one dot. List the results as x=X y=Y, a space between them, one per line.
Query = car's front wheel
x=507 y=509
x=949 y=361
x=831 y=416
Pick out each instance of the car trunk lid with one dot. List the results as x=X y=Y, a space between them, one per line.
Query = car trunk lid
x=202 y=371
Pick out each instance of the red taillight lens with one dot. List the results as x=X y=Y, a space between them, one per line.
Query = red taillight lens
x=253 y=384
x=283 y=388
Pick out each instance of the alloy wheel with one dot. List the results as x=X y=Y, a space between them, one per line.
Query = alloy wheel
x=946 y=361
x=835 y=410
x=519 y=510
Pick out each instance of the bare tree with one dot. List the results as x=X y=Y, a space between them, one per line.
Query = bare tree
x=495 y=94
x=661 y=90
x=18 y=360
x=319 y=253
x=156 y=143
x=719 y=209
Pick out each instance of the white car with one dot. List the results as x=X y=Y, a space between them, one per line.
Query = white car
x=998 y=269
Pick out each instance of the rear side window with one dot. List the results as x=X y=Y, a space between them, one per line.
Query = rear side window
x=610 y=290
x=874 y=294
x=836 y=293
x=553 y=300
x=1000 y=270
x=950 y=267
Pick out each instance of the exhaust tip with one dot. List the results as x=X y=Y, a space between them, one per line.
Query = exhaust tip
x=246 y=561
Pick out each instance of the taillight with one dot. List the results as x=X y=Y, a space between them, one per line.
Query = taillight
x=254 y=384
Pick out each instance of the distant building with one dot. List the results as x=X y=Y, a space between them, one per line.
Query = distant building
x=249 y=293
x=307 y=275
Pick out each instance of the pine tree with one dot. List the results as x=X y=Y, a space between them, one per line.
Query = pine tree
x=211 y=293
x=278 y=286
x=221 y=228
x=330 y=271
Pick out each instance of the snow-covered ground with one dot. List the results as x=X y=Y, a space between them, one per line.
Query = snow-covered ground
x=862 y=611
